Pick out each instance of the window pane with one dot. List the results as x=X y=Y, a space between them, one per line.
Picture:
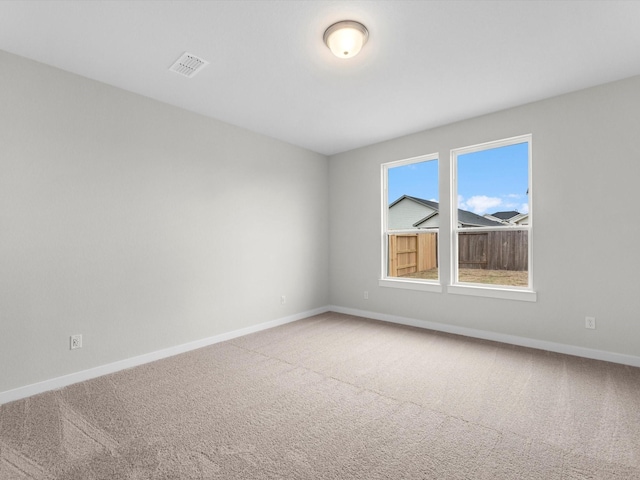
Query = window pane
x=493 y=191
x=414 y=209
x=494 y=184
x=414 y=256
x=494 y=258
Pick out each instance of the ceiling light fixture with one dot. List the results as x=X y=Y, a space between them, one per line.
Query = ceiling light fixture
x=346 y=38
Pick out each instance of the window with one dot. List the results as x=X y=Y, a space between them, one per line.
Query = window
x=491 y=217
x=411 y=215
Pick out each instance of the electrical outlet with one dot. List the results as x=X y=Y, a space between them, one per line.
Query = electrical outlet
x=366 y=295
x=76 y=341
x=590 y=322
x=283 y=299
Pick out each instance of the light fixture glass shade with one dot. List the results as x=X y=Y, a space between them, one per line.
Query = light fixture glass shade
x=345 y=39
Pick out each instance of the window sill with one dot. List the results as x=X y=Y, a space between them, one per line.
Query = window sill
x=410 y=285
x=493 y=292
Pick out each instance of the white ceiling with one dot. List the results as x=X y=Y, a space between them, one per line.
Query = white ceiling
x=427 y=63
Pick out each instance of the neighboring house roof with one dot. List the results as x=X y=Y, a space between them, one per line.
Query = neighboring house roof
x=466 y=218
x=505 y=215
x=521 y=219
x=428 y=203
x=471 y=219
x=510 y=218
x=422 y=220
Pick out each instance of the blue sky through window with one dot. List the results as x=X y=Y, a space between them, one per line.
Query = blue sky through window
x=489 y=181
x=418 y=180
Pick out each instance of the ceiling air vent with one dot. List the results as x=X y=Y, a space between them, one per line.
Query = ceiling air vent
x=188 y=65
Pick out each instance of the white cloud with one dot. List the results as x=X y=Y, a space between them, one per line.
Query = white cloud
x=480 y=204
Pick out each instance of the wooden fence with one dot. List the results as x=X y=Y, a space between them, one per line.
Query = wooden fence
x=497 y=250
x=412 y=253
x=500 y=250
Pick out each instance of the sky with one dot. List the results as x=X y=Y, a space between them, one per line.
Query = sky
x=489 y=181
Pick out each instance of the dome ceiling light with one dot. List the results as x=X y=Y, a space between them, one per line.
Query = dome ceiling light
x=346 y=38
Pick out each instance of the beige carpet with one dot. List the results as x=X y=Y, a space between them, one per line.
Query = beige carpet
x=336 y=397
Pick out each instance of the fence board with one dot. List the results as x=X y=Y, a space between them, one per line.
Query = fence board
x=428 y=251
x=472 y=250
x=497 y=250
x=412 y=253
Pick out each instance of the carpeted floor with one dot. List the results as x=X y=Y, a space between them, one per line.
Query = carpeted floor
x=336 y=397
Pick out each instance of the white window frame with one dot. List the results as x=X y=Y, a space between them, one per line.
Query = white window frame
x=400 y=282
x=486 y=290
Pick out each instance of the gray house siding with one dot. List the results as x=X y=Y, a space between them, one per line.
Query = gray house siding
x=405 y=213
x=415 y=213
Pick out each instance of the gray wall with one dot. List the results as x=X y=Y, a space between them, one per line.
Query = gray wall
x=586 y=170
x=142 y=226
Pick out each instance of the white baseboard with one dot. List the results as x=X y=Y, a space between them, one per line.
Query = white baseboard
x=65 y=380
x=621 y=358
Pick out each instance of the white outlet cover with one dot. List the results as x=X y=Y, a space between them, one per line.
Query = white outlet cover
x=76 y=341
